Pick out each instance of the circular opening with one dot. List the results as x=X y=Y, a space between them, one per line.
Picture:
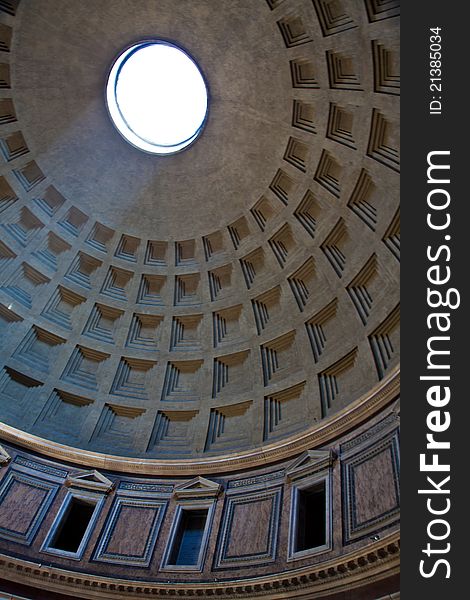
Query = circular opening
x=157 y=97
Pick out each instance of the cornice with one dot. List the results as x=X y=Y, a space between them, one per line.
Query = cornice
x=323 y=433
x=361 y=567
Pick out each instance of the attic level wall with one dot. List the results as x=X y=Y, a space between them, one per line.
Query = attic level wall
x=251 y=514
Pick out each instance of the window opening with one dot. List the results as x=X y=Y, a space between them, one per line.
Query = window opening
x=188 y=538
x=311 y=518
x=73 y=525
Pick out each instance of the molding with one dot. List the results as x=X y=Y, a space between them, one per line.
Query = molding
x=199 y=487
x=364 y=566
x=183 y=505
x=97 y=500
x=28 y=465
x=310 y=462
x=27 y=532
x=5 y=458
x=144 y=489
x=321 y=434
x=90 y=480
x=377 y=432
x=102 y=552
x=224 y=560
x=298 y=486
x=353 y=530
x=255 y=482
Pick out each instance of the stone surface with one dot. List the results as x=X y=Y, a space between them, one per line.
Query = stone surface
x=226 y=297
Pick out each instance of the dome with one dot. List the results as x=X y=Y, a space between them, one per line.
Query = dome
x=225 y=306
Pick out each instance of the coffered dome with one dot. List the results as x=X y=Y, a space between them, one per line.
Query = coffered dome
x=199 y=356
x=215 y=301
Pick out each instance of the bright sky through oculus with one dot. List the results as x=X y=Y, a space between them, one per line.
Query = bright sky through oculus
x=157 y=97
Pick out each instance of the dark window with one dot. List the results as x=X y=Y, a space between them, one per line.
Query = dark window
x=72 y=527
x=311 y=518
x=188 y=539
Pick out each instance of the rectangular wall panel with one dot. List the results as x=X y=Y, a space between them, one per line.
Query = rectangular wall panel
x=371 y=495
x=249 y=531
x=130 y=532
x=24 y=502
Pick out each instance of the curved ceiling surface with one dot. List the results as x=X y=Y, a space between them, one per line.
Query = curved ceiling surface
x=64 y=64
x=222 y=299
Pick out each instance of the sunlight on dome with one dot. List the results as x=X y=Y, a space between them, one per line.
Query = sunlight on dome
x=157 y=97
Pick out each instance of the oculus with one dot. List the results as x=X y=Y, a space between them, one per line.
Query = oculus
x=157 y=97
